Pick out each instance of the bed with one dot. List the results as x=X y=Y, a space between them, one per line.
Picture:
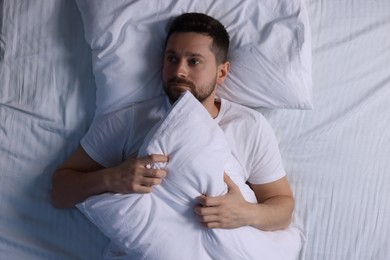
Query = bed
x=335 y=152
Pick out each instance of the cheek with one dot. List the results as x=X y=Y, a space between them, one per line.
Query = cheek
x=210 y=75
x=165 y=73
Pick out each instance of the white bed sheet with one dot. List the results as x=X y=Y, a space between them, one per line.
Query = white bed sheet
x=336 y=156
x=47 y=98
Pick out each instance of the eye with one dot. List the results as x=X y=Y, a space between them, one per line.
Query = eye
x=171 y=59
x=194 y=61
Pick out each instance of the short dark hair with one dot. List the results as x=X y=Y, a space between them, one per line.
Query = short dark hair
x=203 y=24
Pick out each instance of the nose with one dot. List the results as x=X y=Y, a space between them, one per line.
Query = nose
x=181 y=69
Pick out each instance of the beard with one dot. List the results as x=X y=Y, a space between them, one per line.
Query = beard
x=176 y=86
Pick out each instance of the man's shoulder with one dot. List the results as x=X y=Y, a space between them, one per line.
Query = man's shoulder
x=242 y=112
x=120 y=132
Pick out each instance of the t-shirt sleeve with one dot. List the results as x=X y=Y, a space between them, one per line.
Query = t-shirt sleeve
x=266 y=160
x=106 y=139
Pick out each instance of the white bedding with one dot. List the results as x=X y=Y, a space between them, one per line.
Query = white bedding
x=163 y=224
x=336 y=156
x=269 y=51
x=46 y=104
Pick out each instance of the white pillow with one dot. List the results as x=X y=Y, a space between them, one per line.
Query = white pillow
x=163 y=223
x=270 y=49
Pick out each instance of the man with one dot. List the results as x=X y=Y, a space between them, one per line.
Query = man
x=194 y=60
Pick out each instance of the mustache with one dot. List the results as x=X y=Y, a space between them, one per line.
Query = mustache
x=181 y=81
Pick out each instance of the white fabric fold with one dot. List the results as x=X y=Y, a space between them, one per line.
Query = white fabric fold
x=163 y=223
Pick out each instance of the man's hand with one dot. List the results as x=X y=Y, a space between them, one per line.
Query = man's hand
x=80 y=177
x=137 y=175
x=227 y=211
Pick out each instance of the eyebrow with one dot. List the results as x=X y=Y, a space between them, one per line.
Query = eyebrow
x=189 y=54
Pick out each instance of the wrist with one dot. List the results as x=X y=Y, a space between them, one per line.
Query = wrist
x=254 y=215
x=105 y=180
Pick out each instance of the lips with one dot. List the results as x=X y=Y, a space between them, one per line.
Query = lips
x=180 y=83
x=179 y=86
x=176 y=86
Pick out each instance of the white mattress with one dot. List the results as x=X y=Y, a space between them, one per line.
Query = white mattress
x=336 y=156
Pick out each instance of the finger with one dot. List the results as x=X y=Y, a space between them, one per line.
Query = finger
x=155 y=158
x=150 y=182
x=201 y=199
x=208 y=201
x=229 y=182
x=212 y=224
x=208 y=219
x=206 y=211
x=155 y=173
x=153 y=161
x=143 y=189
x=159 y=174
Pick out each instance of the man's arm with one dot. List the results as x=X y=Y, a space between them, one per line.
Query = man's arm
x=272 y=212
x=80 y=177
x=275 y=205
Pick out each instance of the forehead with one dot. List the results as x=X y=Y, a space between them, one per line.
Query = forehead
x=182 y=43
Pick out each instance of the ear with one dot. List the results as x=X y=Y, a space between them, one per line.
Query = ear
x=223 y=71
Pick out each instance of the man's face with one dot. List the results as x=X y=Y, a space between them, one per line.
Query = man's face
x=189 y=64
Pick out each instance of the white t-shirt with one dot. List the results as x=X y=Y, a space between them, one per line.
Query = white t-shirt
x=252 y=141
x=119 y=135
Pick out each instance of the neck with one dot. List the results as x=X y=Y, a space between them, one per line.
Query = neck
x=212 y=106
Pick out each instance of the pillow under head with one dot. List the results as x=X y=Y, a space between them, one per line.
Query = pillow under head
x=270 y=49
